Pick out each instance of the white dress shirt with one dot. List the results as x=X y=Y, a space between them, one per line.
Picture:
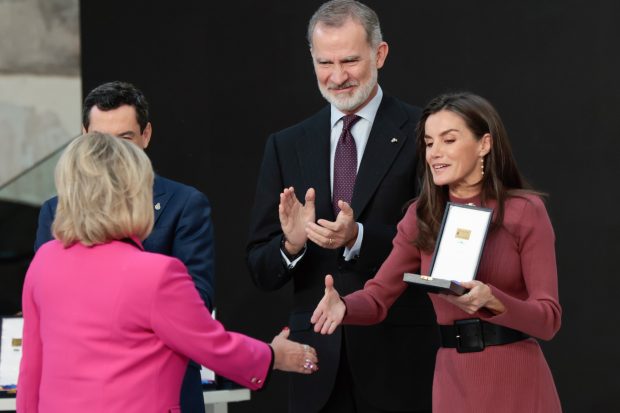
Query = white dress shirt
x=360 y=132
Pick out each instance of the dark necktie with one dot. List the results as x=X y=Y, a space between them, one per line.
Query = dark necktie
x=345 y=164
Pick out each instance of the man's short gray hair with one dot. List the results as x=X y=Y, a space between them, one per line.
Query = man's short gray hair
x=335 y=13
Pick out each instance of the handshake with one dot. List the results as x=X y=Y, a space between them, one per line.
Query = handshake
x=301 y=358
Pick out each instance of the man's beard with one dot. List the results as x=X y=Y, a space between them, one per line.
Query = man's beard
x=351 y=102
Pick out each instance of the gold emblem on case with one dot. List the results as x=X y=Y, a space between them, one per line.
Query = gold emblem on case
x=463 y=233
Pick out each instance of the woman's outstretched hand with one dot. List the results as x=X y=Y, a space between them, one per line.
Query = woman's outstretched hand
x=331 y=309
x=292 y=356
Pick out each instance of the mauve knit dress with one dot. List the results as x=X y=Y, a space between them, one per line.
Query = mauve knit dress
x=519 y=265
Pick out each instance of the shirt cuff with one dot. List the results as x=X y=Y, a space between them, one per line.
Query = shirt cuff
x=354 y=251
x=291 y=264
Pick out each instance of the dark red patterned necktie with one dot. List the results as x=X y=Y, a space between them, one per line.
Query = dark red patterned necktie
x=345 y=164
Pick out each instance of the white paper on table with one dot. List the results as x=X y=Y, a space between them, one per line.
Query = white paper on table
x=461 y=243
x=10 y=350
x=207 y=375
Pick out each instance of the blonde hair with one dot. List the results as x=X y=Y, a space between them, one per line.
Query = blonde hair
x=105 y=191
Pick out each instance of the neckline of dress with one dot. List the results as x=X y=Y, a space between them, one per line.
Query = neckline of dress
x=472 y=200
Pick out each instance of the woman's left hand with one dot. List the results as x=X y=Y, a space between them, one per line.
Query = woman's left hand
x=479 y=296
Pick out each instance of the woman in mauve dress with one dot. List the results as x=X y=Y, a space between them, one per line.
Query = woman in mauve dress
x=491 y=361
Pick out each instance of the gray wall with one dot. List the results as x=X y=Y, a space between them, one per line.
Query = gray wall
x=40 y=90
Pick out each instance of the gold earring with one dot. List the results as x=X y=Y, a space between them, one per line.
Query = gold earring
x=482 y=165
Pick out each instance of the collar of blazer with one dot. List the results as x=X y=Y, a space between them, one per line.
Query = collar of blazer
x=132 y=240
x=385 y=141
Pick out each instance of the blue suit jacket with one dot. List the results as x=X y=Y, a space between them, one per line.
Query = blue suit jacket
x=183 y=229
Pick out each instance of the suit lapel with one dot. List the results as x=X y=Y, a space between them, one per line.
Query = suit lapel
x=384 y=143
x=160 y=197
x=313 y=153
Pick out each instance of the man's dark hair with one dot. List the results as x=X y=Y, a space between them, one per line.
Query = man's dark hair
x=112 y=95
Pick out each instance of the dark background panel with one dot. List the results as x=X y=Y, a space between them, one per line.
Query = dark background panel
x=221 y=76
x=18 y=223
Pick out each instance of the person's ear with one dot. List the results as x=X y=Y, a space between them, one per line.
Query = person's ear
x=84 y=131
x=382 y=52
x=146 y=135
x=486 y=142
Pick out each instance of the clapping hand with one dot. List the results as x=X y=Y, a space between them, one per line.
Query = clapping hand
x=336 y=234
x=294 y=217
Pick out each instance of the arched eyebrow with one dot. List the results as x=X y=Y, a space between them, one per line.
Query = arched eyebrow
x=442 y=134
x=447 y=131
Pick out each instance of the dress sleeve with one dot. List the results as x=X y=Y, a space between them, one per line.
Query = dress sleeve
x=371 y=305
x=538 y=315
x=183 y=323
x=30 y=367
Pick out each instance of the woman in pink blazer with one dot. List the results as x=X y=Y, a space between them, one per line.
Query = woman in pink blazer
x=109 y=327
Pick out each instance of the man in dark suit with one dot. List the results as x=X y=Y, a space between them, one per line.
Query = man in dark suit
x=354 y=197
x=183 y=227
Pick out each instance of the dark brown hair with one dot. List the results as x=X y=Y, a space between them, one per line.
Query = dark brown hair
x=501 y=177
x=113 y=95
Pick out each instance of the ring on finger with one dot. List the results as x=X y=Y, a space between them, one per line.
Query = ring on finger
x=306 y=348
x=330 y=241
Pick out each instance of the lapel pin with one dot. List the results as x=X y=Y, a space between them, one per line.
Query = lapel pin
x=157 y=206
x=394 y=140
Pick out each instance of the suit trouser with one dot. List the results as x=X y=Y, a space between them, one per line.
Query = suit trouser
x=191 y=391
x=345 y=398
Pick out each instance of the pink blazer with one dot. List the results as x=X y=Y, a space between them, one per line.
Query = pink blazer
x=110 y=329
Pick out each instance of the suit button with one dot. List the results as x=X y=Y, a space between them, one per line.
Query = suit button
x=259 y=381
x=254 y=380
